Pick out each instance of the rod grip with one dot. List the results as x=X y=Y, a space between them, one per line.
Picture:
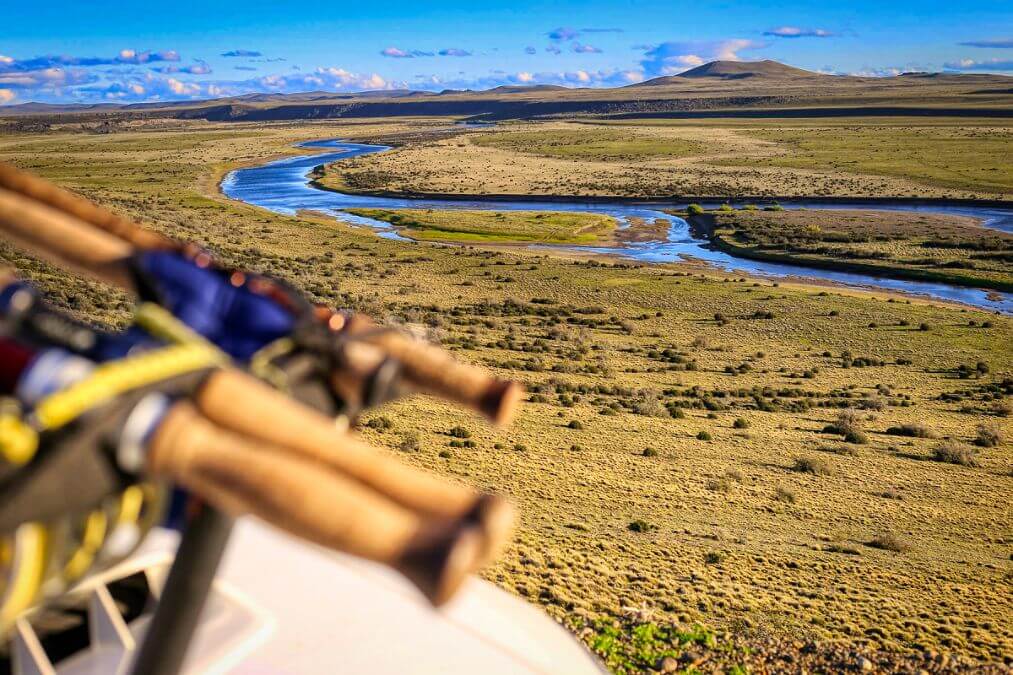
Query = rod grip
x=242 y=476
x=247 y=406
x=64 y=200
x=432 y=370
x=64 y=239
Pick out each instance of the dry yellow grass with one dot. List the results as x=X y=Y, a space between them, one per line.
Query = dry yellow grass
x=704 y=158
x=728 y=546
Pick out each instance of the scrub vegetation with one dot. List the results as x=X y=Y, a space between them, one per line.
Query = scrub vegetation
x=818 y=480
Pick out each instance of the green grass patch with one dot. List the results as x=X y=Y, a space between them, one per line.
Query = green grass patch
x=542 y=227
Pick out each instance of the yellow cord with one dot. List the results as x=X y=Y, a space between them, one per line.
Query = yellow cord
x=18 y=441
x=118 y=377
x=31 y=543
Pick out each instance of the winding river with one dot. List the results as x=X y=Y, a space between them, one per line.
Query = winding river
x=283 y=186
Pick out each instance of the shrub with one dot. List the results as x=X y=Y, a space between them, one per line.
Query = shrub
x=888 y=542
x=848 y=421
x=785 y=495
x=445 y=454
x=741 y=423
x=856 y=437
x=520 y=447
x=576 y=448
x=912 y=430
x=694 y=210
x=714 y=558
x=649 y=452
x=410 y=442
x=575 y=424
x=924 y=327
x=719 y=485
x=725 y=208
x=459 y=432
x=380 y=424
x=813 y=465
x=954 y=452
x=641 y=526
x=651 y=408
x=989 y=436
x=703 y=436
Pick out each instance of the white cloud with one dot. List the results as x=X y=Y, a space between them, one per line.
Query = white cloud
x=984 y=64
x=671 y=58
x=796 y=32
x=6 y=96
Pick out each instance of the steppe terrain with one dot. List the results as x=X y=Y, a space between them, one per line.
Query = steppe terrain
x=714 y=472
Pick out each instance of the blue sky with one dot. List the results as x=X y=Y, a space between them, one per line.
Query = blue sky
x=61 y=51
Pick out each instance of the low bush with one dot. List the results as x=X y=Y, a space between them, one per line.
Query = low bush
x=703 y=436
x=888 y=542
x=813 y=465
x=913 y=430
x=989 y=436
x=641 y=526
x=954 y=452
x=381 y=424
x=410 y=442
x=459 y=432
x=783 y=494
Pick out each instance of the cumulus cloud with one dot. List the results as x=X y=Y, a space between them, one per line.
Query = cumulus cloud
x=671 y=58
x=578 y=78
x=328 y=79
x=125 y=57
x=530 y=50
x=45 y=78
x=563 y=34
x=796 y=32
x=454 y=52
x=984 y=64
x=235 y=53
x=6 y=96
x=1004 y=43
x=395 y=53
x=880 y=71
x=198 y=68
x=553 y=49
x=585 y=49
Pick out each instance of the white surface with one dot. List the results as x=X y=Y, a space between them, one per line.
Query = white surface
x=336 y=614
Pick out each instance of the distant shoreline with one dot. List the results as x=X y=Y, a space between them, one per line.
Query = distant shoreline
x=673 y=200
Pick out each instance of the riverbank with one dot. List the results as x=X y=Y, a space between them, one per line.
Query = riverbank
x=805 y=239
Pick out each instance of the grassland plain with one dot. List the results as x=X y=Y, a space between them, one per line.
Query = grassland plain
x=957 y=158
x=772 y=461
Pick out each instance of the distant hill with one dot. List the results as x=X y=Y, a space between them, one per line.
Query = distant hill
x=719 y=88
x=522 y=88
x=736 y=70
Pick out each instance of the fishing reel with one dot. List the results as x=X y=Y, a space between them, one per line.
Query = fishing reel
x=42 y=560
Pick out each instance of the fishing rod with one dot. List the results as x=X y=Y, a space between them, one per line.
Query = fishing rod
x=180 y=413
x=244 y=445
x=348 y=349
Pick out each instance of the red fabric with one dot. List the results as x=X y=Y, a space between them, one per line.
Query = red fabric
x=14 y=359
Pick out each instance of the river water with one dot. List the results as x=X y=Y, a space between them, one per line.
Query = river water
x=282 y=186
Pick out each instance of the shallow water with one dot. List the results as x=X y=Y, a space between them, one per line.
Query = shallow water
x=282 y=186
